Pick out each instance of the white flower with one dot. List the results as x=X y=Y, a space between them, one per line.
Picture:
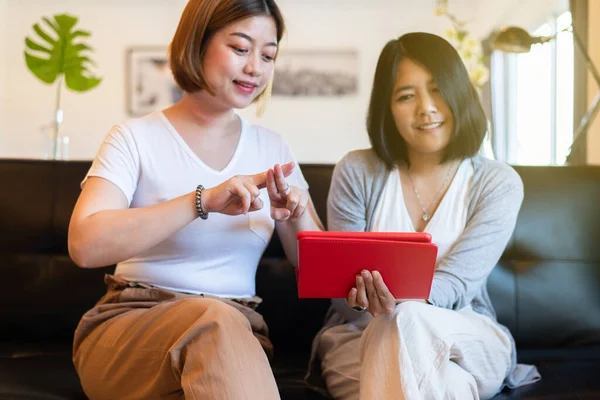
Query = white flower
x=441 y=7
x=440 y=10
x=471 y=44
x=451 y=34
x=468 y=48
x=467 y=55
x=479 y=75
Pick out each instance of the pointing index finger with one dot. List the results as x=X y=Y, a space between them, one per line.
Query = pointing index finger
x=260 y=179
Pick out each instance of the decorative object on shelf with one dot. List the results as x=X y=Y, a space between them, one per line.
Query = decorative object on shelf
x=517 y=40
x=150 y=82
x=316 y=73
x=468 y=47
x=61 y=57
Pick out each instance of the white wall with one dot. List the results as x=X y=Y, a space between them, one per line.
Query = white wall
x=3 y=92
x=115 y=24
x=321 y=129
x=318 y=130
x=528 y=14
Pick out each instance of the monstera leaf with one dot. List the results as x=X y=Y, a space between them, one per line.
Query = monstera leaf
x=58 y=54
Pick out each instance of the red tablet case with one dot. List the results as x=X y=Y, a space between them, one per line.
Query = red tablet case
x=328 y=262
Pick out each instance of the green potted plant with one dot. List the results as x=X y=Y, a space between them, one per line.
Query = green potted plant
x=60 y=58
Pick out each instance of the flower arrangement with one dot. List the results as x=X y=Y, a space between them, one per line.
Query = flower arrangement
x=466 y=45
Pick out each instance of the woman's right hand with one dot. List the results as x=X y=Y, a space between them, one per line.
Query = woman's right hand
x=240 y=194
x=371 y=294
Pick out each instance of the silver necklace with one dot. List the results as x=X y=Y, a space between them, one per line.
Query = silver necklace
x=426 y=216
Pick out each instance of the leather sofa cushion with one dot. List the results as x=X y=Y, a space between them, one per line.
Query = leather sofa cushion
x=546 y=288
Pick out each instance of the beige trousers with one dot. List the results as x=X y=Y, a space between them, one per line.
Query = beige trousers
x=419 y=352
x=147 y=343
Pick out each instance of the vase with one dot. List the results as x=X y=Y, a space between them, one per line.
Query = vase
x=54 y=147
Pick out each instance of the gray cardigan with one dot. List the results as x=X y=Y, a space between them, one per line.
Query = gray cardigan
x=460 y=278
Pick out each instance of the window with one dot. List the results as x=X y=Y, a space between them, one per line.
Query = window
x=533 y=99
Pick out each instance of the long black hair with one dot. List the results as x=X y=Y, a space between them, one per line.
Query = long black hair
x=450 y=74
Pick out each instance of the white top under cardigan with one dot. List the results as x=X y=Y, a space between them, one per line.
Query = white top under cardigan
x=447 y=223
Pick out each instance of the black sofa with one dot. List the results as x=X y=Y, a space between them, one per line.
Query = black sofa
x=546 y=288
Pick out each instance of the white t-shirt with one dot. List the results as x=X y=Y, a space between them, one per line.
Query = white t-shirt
x=445 y=226
x=151 y=163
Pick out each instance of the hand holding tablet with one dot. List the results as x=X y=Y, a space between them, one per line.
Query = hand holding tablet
x=328 y=262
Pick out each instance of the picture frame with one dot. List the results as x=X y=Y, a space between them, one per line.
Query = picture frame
x=316 y=73
x=150 y=85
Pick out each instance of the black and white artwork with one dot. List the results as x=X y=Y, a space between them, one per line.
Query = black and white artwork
x=150 y=83
x=316 y=73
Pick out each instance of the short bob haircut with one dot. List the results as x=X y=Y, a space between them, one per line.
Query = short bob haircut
x=443 y=62
x=200 y=20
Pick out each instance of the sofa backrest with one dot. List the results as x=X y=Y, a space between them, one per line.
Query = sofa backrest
x=546 y=288
x=43 y=294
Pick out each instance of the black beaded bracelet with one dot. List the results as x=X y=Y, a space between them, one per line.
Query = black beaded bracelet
x=199 y=209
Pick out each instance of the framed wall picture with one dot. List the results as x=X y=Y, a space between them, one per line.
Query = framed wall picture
x=150 y=83
x=316 y=73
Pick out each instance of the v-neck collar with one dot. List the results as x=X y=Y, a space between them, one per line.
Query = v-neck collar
x=442 y=202
x=194 y=156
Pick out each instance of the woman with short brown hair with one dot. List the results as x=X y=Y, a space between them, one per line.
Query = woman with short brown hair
x=174 y=199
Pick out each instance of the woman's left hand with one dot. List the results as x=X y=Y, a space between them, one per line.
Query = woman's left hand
x=371 y=294
x=287 y=202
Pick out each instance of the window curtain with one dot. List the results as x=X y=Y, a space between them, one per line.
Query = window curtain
x=579 y=15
